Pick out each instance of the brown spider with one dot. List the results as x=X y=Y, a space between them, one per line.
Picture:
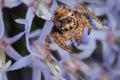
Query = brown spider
x=71 y=23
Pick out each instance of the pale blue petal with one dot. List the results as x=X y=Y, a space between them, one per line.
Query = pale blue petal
x=112 y=20
x=99 y=26
x=43 y=10
x=46 y=30
x=114 y=47
x=15 y=38
x=28 y=22
x=37 y=63
x=65 y=55
x=106 y=54
x=36 y=74
x=7 y=65
x=98 y=10
x=32 y=51
x=4 y=76
x=47 y=75
x=94 y=73
x=35 y=33
x=11 y=3
x=80 y=1
x=94 y=1
x=110 y=4
x=29 y=18
x=70 y=3
x=99 y=35
x=27 y=2
x=117 y=5
x=87 y=50
x=2 y=28
x=48 y=25
x=109 y=54
x=53 y=7
x=12 y=53
x=23 y=62
x=21 y=21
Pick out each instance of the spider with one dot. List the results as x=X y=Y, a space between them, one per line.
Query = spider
x=71 y=23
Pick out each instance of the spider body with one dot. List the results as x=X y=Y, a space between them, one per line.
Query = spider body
x=71 y=23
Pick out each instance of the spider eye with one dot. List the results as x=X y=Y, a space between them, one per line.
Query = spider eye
x=57 y=24
x=60 y=25
x=68 y=20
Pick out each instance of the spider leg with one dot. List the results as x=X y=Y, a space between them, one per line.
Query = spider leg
x=55 y=22
x=61 y=42
x=82 y=23
x=47 y=40
x=87 y=24
x=84 y=10
x=81 y=29
x=82 y=19
x=89 y=28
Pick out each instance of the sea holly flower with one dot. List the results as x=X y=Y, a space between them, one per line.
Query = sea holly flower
x=108 y=10
x=37 y=53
